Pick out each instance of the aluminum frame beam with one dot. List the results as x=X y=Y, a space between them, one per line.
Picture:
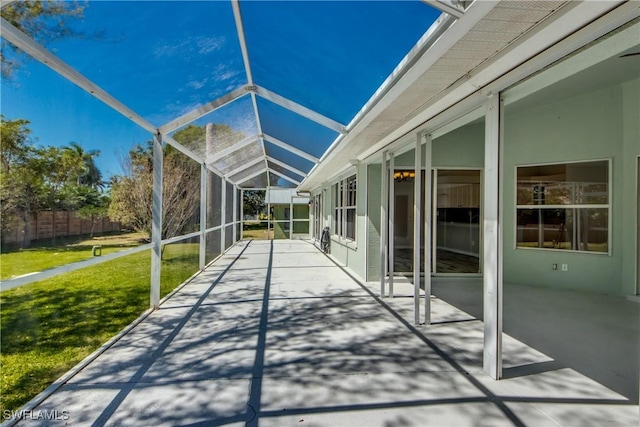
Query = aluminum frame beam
x=156 y=223
x=236 y=171
x=237 y=16
x=417 y=227
x=452 y=8
x=384 y=236
x=428 y=219
x=253 y=175
x=286 y=166
x=28 y=45
x=391 y=227
x=202 y=261
x=235 y=147
x=493 y=212
x=204 y=109
x=290 y=148
x=300 y=110
x=283 y=176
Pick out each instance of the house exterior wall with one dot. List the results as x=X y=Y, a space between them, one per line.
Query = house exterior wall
x=589 y=126
x=591 y=123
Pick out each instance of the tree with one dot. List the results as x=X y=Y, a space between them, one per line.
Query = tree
x=131 y=193
x=35 y=178
x=95 y=211
x=253 y=201
x=87 y=172
x=22 y=182
x=43 y=20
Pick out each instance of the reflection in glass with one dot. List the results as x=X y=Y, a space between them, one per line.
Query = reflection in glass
x=584 y=229
x=458 y=221
x=564 y=184
x=579 y=226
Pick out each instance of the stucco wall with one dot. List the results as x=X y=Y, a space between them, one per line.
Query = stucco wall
x=585 y=127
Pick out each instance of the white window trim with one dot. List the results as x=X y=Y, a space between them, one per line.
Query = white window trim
x=341 y=223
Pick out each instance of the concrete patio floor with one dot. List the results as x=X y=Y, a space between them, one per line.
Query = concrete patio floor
x=276 y=334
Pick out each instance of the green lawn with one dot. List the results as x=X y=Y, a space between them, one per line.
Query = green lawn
x=47 y=327
x=256 y=230
x=45 y=255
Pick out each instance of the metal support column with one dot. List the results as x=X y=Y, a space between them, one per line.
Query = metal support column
x=417 y=227
x=223 y=216
x=291 y=218
x=235 y=214
x=383 y=224
x=392 y=218
x=492 y=357
x=427 y=228
x=269 y=217
x=156 y=225
x=203 y=215
x=241 y=214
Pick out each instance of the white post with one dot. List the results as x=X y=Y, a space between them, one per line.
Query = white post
x=417 y=223
x=492 y=357
x=383 y=223
x=235 y=214
x=203 y=215
x=223 y=216
x=156 y=225
x=392 y=217
x=241 y=214
x=427 y=229
x=269 y=217
x=291 y=218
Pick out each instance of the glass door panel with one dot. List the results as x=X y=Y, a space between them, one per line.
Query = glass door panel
x=457 y=221
x=403 y=221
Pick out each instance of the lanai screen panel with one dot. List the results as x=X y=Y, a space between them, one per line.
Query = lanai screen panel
x=330 y=56
x=259 y=181
x=170 y=61
x=160 y=58
x=239 y=157
x=294 y=129
x=247 y=173
x=285 y=171
x=232 y=123
x=277 y=181
x=287 y=157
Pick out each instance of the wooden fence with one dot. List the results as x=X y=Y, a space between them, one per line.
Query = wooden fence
x=49 y=224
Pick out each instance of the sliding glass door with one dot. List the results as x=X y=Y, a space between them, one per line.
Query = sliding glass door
x=456 y=234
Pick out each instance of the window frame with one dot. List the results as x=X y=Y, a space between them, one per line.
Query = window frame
x=341 y=207
x=574 y=206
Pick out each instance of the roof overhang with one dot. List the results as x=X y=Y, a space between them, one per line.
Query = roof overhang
x=488 y=41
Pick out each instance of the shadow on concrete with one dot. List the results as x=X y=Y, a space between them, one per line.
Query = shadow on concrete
x=268 y=347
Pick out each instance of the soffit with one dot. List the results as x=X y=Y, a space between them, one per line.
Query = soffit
x=496 y=31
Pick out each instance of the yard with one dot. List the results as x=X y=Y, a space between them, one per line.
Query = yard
x=48 y=327
x=48 y=254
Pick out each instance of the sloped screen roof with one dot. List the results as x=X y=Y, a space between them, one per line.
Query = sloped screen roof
x=280 y=80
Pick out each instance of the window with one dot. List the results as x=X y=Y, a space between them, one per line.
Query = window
x=563 y=206
x=344 y=219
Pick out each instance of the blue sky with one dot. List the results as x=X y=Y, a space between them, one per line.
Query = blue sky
x=163 y=59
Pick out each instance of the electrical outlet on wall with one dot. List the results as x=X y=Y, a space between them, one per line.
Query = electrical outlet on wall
x=554 y=266
x=565 y=267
